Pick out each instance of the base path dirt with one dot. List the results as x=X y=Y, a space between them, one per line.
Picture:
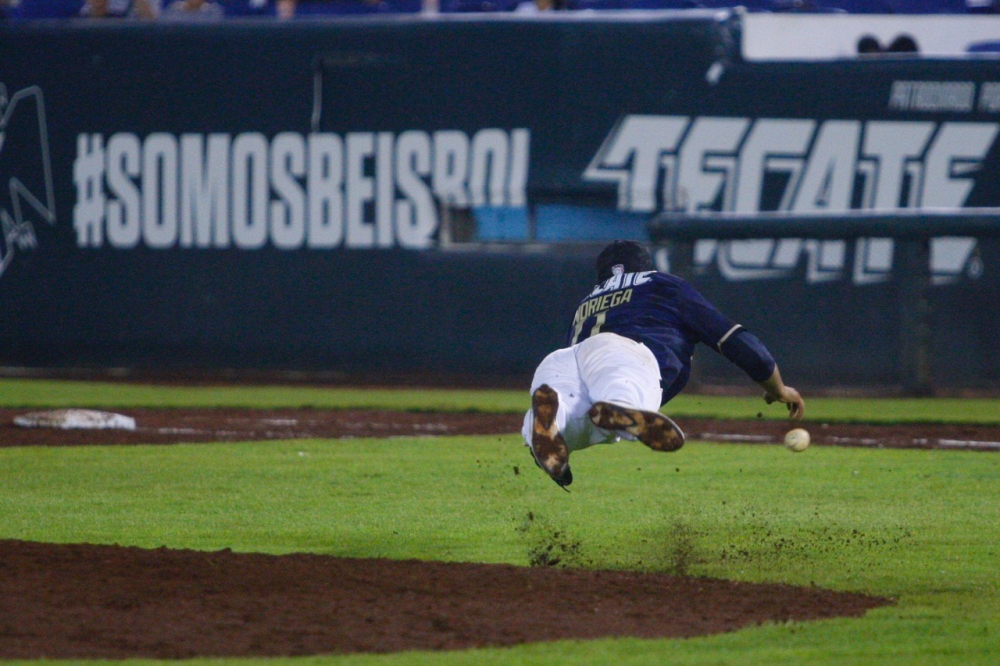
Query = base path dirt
x=166 y=426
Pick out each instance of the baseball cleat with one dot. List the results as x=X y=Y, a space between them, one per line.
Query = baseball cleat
x=548 y=446
x=651 y=428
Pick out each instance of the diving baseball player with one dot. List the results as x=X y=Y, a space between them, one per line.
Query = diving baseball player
x=629 y=353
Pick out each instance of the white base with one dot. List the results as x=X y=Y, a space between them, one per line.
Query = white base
x=67 y=419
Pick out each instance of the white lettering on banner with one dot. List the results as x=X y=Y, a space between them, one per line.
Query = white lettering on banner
x=288 y=212
x=326 y=198
x=316 y=191
x=204 y=189
x=88 y=176
x=743 y=164
x=416 y=217
x=989 y=97
x=631 y=157
x=123 y=211
x=159 y=181
x=955 y=96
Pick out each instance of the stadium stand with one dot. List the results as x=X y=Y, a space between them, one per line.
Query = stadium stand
x=804 y=6
x=346 y=7
x=55 y=9
x=40 y=9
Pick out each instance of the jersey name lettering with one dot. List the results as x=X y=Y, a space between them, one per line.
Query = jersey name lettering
x=602 y=303
x=622 y=280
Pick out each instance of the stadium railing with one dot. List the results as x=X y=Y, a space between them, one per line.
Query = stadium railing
x=911 y=229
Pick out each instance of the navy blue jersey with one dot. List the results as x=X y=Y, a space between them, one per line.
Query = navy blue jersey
x=663 y=312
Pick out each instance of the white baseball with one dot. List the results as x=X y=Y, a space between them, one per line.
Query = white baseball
x=797 y=439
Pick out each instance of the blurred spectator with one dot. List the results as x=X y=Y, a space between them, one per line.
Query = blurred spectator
x=903 y=44
x=298 y=8
x=242 y=8
x=869 y=45
x=538 y=6
x=142 y=9
x=193 y=9
x=32 y=9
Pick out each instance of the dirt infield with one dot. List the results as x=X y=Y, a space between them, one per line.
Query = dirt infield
x=83 y=601
x=80 y=601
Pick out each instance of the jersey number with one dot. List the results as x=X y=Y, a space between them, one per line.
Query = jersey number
x=601 y=317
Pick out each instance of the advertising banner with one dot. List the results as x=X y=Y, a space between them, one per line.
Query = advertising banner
x=331 y=195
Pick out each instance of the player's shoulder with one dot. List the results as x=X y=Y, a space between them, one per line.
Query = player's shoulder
x=679 y=289
x=667 y=281
x=668 y=278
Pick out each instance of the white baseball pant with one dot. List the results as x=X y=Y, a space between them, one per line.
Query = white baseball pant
x=604 y=368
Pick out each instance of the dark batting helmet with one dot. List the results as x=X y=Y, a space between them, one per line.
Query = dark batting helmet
x=630 y=255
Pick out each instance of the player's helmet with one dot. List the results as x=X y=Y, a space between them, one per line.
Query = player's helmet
x=630 y=255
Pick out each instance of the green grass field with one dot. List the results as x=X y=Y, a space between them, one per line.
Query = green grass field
x=922 y=527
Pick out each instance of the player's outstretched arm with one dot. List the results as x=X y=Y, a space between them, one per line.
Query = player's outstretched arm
x=776 y=391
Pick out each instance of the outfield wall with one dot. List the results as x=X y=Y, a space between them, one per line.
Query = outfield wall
x=265 y=195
